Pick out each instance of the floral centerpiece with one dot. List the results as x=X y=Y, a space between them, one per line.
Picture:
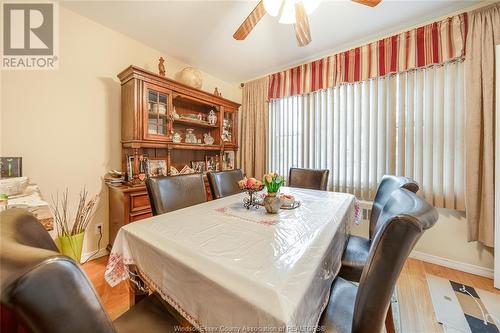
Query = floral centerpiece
x=250 y=186
x=273 y=182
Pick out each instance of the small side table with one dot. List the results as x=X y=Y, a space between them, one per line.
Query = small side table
x=32 y=200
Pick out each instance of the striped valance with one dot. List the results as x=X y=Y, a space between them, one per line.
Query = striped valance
x=434 y=43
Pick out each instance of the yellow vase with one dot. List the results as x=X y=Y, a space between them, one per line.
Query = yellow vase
x=71 y=246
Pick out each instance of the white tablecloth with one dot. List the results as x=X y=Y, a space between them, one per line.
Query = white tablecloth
x=228 y=269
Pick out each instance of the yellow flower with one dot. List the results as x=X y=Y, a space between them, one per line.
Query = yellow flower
x=242 y=183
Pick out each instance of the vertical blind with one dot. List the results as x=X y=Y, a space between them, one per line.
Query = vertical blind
x=409 y=124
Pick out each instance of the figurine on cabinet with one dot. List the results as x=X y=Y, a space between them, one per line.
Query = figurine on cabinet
x=212 y=118
x=226 y=131
x=161 y=66
x=175 y=115
x=217 y=92
x=190 y=136
x=208 y=139
x=177 y=138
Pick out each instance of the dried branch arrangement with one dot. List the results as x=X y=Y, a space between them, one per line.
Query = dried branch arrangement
x=64 y=224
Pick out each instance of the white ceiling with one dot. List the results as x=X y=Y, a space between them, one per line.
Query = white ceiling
x=200 y=32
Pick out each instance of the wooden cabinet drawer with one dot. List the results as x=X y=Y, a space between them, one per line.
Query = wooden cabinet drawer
x=139 y=201
x=141 y=216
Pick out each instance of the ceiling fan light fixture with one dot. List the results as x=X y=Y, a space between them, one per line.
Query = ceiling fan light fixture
x=272 y=7
x=287 y=15
x=310 y=5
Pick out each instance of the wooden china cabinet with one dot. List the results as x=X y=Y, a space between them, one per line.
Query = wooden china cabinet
x=156 y=112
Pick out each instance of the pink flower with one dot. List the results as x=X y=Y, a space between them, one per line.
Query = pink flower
x=251 y=182
x=257 y=186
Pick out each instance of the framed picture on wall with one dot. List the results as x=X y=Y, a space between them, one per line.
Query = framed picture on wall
x=11 y=167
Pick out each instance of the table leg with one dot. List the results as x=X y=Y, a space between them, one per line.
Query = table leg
x=136 y=287
x=389 y=321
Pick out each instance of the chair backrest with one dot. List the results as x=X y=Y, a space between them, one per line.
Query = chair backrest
x=55 y=296
x=41 y=290
x=403 y=220
x=224 y=183
x=24 y=242
x=167 y=194
x=308 y=178
x=387 y=185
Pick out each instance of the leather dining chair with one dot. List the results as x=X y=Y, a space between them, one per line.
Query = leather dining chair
x=224 y=183
x=308 y=178
x=169 y=193
x=45 y=292
x=357 y=248
x=362 y=308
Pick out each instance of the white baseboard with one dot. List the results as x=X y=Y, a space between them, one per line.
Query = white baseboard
x=100 y=253
x=460 y=266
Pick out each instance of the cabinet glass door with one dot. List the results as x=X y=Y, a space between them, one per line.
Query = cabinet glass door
x=228 y=124
x=157 y=106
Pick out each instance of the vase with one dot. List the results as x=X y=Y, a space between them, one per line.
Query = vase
x=208 y=139
x=71 y=246
x=272 y=203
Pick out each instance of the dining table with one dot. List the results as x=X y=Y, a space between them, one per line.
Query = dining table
x=226 y=268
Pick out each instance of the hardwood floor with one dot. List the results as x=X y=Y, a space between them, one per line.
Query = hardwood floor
x=417 y=313
x=115 y=300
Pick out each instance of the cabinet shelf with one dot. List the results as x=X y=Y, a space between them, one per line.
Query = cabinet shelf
x=194 y=123
x=161 y=115
x=195 y=146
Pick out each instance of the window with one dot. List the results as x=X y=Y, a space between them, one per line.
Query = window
x=409 y=124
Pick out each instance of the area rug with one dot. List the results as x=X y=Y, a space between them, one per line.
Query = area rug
x=462 y=308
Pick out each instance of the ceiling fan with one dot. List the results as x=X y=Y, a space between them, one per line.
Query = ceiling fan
x=290 y=12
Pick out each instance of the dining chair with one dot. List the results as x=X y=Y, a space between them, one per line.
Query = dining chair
x=169 y=193
x=45 y=292
x=357 y=248
x=308 y=178
x=362 y=308
x=224 y=183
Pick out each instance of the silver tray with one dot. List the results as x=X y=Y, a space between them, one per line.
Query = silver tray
x=295 y=204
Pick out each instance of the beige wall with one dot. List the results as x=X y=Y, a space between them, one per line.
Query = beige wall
x=66 y=123
x=448 y=240
x=1 y=113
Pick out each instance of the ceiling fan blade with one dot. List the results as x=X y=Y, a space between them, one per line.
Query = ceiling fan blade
x=301 y=25
x=371 y=3
x=250 y=22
